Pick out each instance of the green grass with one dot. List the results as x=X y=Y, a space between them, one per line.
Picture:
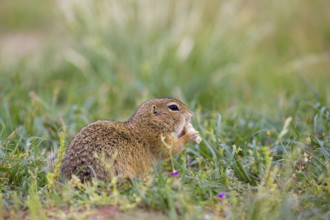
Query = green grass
x=256 y=76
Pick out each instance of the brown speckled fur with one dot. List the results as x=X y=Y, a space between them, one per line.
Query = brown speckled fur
x=127 y=149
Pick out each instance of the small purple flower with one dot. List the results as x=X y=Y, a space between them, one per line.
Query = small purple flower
x=175 y=173
x=221 y=195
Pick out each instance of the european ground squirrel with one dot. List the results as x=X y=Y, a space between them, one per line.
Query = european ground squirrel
x=127 y=149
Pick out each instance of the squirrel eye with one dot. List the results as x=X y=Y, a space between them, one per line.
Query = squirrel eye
x=173 y=107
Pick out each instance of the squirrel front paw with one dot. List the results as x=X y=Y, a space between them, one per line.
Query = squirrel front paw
x=192 y=134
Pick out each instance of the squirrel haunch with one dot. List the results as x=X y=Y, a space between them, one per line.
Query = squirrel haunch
x=126 y=149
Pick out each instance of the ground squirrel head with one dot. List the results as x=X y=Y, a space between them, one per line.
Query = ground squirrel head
x=163 y=115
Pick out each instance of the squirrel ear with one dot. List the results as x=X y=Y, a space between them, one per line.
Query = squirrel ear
x=154 y=111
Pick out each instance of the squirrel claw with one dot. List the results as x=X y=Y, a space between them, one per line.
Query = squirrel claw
x=196 y=138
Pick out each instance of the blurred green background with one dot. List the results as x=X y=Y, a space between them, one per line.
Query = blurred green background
x=111 y=55
x=243 y=67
